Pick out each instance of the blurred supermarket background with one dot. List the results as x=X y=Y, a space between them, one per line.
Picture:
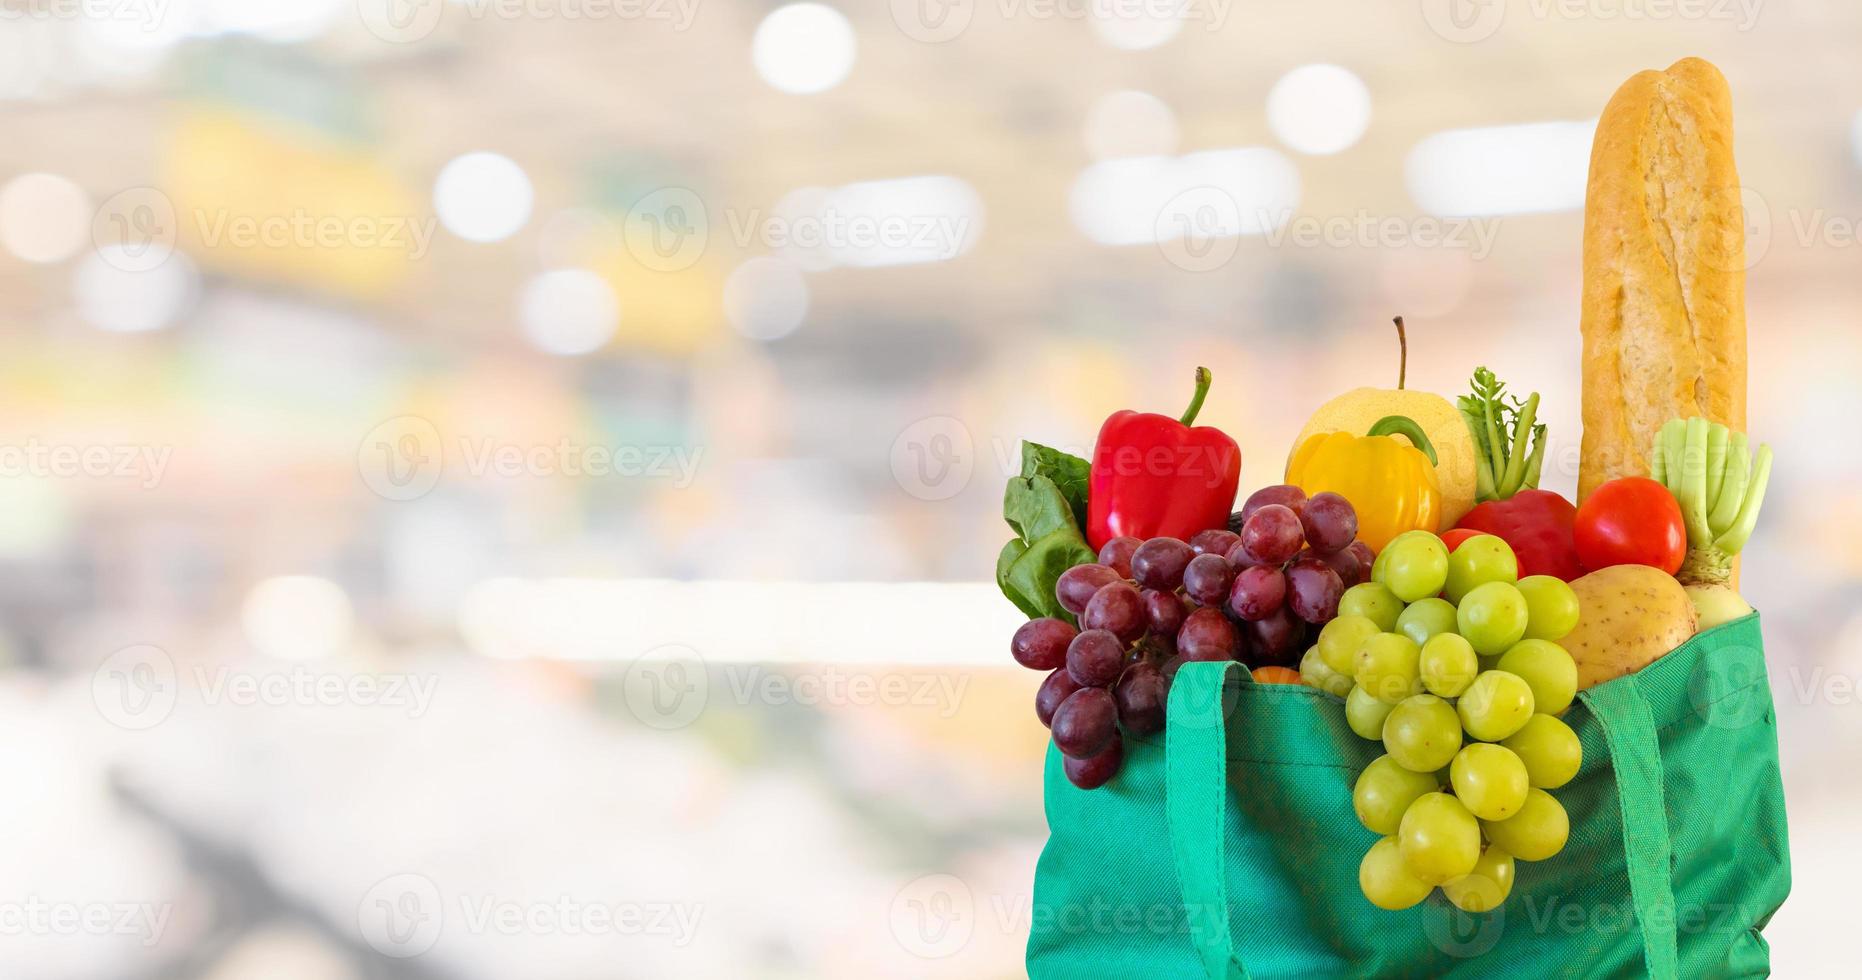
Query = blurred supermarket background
x=508 y=488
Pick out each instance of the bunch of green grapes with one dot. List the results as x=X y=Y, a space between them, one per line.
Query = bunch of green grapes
x=1452 y=661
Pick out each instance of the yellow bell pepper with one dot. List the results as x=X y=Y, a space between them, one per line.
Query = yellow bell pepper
x=1391 y=485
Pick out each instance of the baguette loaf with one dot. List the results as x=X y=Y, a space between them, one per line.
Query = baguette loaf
x=1664 y=315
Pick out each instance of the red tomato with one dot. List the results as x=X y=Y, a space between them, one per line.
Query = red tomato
x=1631 y=521
x=1454 y=538
x=1276 y=675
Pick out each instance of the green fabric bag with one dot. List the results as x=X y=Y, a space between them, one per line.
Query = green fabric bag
x=1229 y=848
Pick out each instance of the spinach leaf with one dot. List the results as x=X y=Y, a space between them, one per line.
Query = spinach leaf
x=1029 y=579
x=1035 y=508
x=1069 y=473
x=1005 y=562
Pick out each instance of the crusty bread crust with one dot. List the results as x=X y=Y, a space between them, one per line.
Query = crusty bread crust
x=1664 y=315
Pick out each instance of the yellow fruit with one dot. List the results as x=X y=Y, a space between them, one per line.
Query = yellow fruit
x=1357 y=410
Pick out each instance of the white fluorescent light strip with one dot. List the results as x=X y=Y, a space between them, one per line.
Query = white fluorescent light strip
x=927 y=623
x=1494 y=170
x=1223 y=193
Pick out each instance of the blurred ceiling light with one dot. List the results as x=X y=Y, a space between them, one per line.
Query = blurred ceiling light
x=139 y=26
x=1129 y=124
x=902 y=221
x=297 y=617
x=1519 y=169
x=569 y=311
x=482 y=197
x=769 y=621
x=766 y=298
x=1137 y=26
x=804 y=48
x=281 y=21
x=115 y=292
x=43 y=217
x=1319 y=109
x=1211 y=193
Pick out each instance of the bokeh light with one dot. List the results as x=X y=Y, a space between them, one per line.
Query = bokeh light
x=43 y=217
x=1319 y=109
x=482 y=197
x=1515 y=169
x=297 y=617
x=115 y=292
x=766 y=298
x=569 y=311
x=804 y=48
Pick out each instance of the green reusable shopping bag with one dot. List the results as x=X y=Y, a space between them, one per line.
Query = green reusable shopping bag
x=1229 y=848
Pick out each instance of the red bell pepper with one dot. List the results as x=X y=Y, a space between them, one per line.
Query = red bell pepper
x=1153 y=475
x=1536 y=523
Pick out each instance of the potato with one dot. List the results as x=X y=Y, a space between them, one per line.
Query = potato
x=1629 y=616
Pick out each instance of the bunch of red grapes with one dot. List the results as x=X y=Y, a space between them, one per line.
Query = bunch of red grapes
x=1250 y=592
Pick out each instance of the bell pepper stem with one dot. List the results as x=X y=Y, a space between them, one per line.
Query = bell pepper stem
x=1405 y=426
x=1402 y=354
x=1203 y=377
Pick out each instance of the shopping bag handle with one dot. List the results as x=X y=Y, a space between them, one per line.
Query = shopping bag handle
x=1196 y=798
x=1636 y=758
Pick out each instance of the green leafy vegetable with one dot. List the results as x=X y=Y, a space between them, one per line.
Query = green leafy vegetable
x=1509 y=448
x=1047 y=533
x=1069 y=473
x=1029 y=580
x=1035 y=508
